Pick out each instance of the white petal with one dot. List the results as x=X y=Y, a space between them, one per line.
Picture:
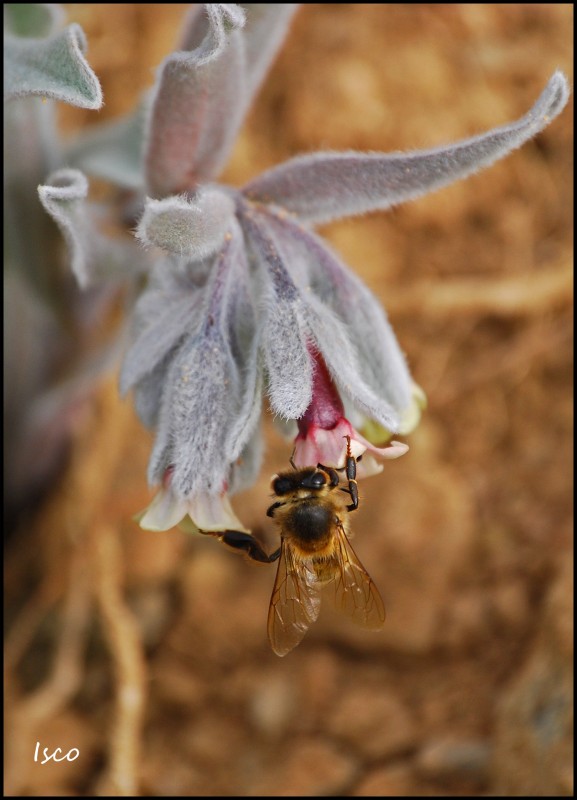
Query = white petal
x=164 y=512
x=213 y=512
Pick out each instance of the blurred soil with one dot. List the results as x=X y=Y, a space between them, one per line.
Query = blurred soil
x=148 y=652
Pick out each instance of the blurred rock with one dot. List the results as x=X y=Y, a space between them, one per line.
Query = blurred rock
x=510 y=604
x=164 y=773
x=533 y=751
x=212 y=738
x=152 y=609
x=176 y=686
x=321 y=680
x=310 y=767
x=373 y=722
x=273 y=704
x=391 y=781
x=450 y=760
x=152 y=556
x=225 y=603
x=466 y=619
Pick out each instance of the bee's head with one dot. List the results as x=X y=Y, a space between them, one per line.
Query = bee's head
x=308 y=478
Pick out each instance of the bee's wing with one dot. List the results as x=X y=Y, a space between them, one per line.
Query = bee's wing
x=355 y=593
x=294 y=605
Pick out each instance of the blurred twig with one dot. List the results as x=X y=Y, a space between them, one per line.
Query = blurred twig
x=519 y=295
x=75 y=519
x=65 y=676
x=26 y=624
x=126 y=649
x=67 y=670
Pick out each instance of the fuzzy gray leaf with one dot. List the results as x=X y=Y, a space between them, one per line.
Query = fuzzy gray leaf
x=296 y=319
x=198 y=105
x=113 y=151
x=244 y=343
x=93 y=257
x=379 y=361
x=340 y=356
x=246 y=468
x=173 y=318
x=63 y=197
x=284 y=336
x=54 y=67
x=264 y=32
x=205 y=390
x=192 y=227
x=197 y=404
x=324 y=186
x=207 y=25
x=148 y=391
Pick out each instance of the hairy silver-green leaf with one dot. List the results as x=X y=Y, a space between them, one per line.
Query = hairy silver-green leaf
x=207 y=386
x=379 y=361
x=93 y=256
x=324 y=186
x=54 y=67
x=32 y=19
x=284 y=334
x=113 y=151
x=193 y=226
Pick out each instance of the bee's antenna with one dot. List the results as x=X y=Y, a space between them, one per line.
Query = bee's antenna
x=291 y=461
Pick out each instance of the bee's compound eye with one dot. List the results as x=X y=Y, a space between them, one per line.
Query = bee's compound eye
x=282 y=485
x=315 y=481
x=318 y=479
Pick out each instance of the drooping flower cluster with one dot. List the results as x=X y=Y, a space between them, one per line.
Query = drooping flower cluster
x=248 y=299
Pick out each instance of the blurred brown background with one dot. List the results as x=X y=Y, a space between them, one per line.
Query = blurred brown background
x=148 y=652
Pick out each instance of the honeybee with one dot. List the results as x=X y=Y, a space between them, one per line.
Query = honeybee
x=315 y=553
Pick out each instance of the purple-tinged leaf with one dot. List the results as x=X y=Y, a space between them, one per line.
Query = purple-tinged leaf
x=325 y=186
x=206 y=27
x=204 y=390
x=264 y=33
x=197 y=109
x=247 y=466
x=147 y=393
x=379 y=360
x=297 y=319
x=342 y=360
x=284 y=333
x=175 y=317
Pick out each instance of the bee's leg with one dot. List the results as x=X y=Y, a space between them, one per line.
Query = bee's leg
x=245 y=542
x=351 y=472
x=270 y=511
x=338 y=469
x=332 y=473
